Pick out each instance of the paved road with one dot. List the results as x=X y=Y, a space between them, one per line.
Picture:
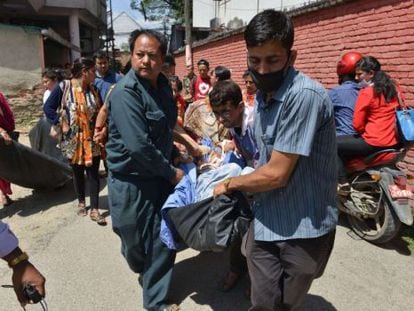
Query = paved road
x=85 y=271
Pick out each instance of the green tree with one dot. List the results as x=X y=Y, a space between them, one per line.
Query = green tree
x=154 y=10
x=125 y=47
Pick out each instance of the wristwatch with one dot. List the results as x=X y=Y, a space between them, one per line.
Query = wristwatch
x=226 y=183
x=18 y=259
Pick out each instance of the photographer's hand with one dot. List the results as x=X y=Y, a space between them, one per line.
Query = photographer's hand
x=25 y=273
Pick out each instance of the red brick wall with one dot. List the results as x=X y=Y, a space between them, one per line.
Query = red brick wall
x=382 y=28
x=230 y=52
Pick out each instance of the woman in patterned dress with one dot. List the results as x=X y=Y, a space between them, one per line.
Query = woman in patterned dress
x=78 y=102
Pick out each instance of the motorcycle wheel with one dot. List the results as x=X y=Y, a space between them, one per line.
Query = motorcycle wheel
x=379 y=229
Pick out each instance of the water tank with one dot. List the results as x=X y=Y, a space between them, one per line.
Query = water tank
x=215 y=23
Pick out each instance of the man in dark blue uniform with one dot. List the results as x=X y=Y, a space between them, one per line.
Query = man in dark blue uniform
x=142 y=116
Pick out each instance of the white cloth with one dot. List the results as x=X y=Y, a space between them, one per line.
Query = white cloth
x=46 y=95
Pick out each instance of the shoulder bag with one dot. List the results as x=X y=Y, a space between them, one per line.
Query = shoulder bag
x=405 y=121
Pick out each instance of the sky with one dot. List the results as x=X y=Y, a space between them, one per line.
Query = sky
x=119 y=6
x=124 y=5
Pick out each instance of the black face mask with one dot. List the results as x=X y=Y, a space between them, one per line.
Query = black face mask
x=271 y=81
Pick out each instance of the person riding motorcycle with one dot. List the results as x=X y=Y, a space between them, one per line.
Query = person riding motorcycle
x=344 y=95
x=373 y=120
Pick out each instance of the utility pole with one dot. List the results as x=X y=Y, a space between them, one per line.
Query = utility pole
x=258 y=5
x=188 y=27
x=110 y=36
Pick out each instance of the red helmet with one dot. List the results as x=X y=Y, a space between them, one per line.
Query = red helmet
x=347 y=63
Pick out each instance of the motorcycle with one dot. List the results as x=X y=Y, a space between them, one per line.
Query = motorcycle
x=377 y=202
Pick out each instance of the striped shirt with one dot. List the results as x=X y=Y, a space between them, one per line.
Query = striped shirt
x=299 y=120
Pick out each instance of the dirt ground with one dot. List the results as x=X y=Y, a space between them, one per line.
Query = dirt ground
x=86 y=272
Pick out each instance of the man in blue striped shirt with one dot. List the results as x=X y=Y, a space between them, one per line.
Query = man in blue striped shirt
x=294 y=184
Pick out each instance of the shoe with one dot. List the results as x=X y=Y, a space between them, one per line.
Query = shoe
x=229 y=281
x=96 y=216
x=343 y=189
x=172 y=307
x=81 y=209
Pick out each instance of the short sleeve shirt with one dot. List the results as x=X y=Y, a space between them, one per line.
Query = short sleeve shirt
x=343 y=98
x=299 y=120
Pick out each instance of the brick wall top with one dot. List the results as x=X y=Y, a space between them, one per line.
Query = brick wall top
x=381 y=28
x=314 y=6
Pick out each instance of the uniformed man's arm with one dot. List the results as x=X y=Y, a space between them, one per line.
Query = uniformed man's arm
x=128 y=115
x=182 y=137
x=99 y=136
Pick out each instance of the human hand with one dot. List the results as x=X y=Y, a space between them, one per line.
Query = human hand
x=65 y=126
x=183 y=158
x=228 y=145
x=99 y=136
x=6 y=137
x=25 y=273
x=220 y=189
x=178 y=176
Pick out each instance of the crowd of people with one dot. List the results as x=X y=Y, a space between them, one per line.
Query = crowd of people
x=147 y=124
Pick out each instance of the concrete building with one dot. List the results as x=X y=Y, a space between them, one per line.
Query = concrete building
x=123 y=25
x=236 y=13
x=36 y=34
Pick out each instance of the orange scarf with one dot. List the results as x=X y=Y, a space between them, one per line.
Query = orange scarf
x=83 y=151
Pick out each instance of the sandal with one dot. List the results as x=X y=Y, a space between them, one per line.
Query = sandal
x=96 y=216
x=81 y=211
x=229 y=281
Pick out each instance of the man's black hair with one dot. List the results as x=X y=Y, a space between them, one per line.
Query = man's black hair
x=224 y=92
x=203 y=62
x=246 y=73
x=100 y=54
x=270 y=25
x=177 y=80
x=126 y=68
x=169 y=59
x=222 y=73
x=150 y=33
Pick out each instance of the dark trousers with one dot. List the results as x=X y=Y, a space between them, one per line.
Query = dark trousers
x=93 y=180
x=350 y=146
x=135 y=211
x=238 y=262
x=282 y=272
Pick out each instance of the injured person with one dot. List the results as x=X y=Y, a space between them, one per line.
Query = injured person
x=220 y=163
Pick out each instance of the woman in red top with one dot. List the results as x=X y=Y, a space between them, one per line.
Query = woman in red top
x=203 y=81
x=374 y=115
